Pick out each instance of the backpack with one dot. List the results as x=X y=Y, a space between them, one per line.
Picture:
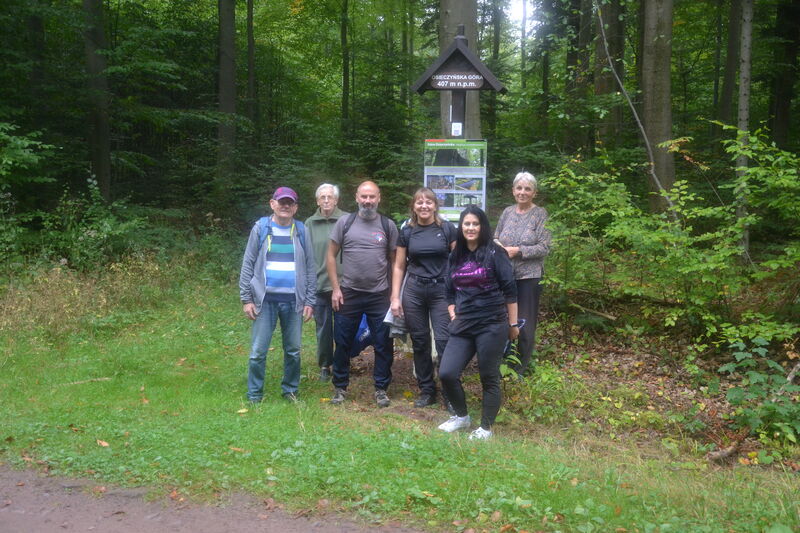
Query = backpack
x=265 y=230
x=384 y=224
x=448 y=229
x=352 y=218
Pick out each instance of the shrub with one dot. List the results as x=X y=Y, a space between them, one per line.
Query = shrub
x=85 y=232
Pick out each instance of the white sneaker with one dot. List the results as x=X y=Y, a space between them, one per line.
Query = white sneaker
x=455 y=423
x=480 y=434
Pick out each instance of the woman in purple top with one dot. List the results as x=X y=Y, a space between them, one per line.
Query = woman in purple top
x=482 y=302
x=521 y=231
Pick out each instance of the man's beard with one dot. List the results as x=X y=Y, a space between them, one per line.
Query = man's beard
x=367 y=212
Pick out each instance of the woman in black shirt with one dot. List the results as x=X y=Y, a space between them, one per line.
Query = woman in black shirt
x=422 y=250
x=482 y=302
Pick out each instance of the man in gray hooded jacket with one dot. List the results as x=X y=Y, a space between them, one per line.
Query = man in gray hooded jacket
x=277 y=282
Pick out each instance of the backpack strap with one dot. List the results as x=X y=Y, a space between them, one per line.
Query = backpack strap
x=265 y=230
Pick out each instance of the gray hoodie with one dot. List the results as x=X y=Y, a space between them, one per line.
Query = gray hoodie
x=252 y=287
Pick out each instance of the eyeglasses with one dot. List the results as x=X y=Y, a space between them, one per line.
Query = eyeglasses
x=287 y=202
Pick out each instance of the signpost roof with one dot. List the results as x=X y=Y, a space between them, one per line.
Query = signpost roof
x=458 y=57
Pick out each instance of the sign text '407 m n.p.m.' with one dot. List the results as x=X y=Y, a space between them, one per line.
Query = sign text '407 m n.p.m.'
x=457 y=80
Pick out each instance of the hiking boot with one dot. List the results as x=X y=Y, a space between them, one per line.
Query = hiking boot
x=338 y=396
x=381 y=398
x=454 y=423
x=480 y=434
x=425 y=400
x=290 y=397
x=325 y=373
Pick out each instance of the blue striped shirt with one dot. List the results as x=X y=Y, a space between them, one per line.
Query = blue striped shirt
x=279 y=273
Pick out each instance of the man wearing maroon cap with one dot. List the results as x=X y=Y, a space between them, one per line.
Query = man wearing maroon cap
x=278 y=281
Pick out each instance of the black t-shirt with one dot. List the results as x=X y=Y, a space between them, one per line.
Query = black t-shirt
x=427 y=248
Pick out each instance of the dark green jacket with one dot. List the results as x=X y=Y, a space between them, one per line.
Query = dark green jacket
x=319 y=230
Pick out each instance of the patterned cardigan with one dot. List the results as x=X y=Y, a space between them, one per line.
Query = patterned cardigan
x=527 y=231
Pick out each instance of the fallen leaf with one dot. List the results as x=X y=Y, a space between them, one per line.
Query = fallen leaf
x=240 y=450
x=323 y=504
x=181 y=361
x=174 y=494
x=573 y=482
x=21 y=484
x=460 y=522
x=242 y=411
x=270 y=504
x=496 y=516
x=145 y=401
x=323 y=400
x=506 y=528
x=102 y=443
x=141 y=389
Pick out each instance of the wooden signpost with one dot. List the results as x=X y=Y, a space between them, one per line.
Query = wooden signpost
x=458 y=70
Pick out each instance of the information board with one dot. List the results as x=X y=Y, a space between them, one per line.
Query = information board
x=455 y=169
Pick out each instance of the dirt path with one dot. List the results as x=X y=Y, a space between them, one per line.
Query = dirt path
x=31 y=502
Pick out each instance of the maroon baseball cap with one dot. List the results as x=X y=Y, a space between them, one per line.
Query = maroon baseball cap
x=284 y=192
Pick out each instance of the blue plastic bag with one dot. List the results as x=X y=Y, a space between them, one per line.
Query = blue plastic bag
x=363 y=338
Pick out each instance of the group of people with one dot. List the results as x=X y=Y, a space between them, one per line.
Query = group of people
x=471 y=287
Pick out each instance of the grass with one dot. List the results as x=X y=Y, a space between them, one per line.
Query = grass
x=158 y=400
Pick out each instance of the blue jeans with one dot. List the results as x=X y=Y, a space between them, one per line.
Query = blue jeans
x=291 y=332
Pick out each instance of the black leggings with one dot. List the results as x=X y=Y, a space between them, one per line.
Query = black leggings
x=488 y=341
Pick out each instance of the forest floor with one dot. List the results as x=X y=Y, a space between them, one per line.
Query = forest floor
x=33 y=502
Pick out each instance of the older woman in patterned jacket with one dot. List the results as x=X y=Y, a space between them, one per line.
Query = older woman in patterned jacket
x=521 y=231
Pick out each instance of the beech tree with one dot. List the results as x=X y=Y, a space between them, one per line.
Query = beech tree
x=657 y=94
x=99 y=120
x=227 y=96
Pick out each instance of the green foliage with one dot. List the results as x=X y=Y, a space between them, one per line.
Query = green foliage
x=20 y=155
x=765 y=401
x=684 y=266
x=85 y=232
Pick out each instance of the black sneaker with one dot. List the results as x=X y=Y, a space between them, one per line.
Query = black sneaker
x=338 y=396
x=425 y=400
x=381 y=398
x=325 y=373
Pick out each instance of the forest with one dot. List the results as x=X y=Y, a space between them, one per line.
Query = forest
x=664 y=135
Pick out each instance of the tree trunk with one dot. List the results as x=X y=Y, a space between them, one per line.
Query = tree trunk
x=578 y=56
x=731 y=63
x=497 y=24
x=253 y=108
x=546 y=29
x=452 y=13
x=787 y=31
x=226 y=131
x=743 y=122
x=343 y=24
x=604 y=81
x=523 y=37
x=657 y=94
x=717 y=62
x=99 y=101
